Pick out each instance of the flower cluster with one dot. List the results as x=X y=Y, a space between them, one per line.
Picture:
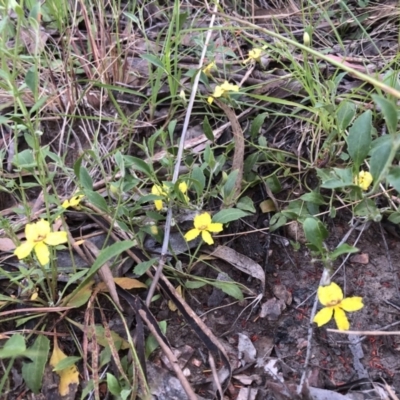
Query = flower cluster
x=331 y=297
x=363 y=179
x=223 y=91
x=254 y=55
x=162 y=191
x=203 y=225
x=38 y=238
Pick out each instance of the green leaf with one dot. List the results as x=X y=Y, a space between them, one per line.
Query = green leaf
x=345 y=115
x=359 y=139
x=246 y=204
x=153 y=60
x=257 y=124
x=31 y=79
x=24 y=160
x=97 y=200
x=13 y=347
x=151 y=342
x=277 y=221
x=232 y=289
x=144 y=266
x=274 y=184
x=199 y=180
x=105 y=255
x=66 y=362
x=228 y=189
x=395 y=217
x=113 y=385
x=194 y=284
x=393 y=177
x=33 y=372
x=139 y=165
x=313 y=197
x=315 y=232
x=342 y=249
x=380 y=159
x=207 y=129
x=228 y=215
x=85 y=179
x=389 y=111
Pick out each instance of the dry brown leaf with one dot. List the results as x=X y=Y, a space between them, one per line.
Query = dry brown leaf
x=125 y=283
x=68 y=376
x=362 y=258
x=267 y=206
x=171 y=304
x=6 y=244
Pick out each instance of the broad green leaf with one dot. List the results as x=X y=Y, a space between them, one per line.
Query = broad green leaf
x=246 y=204
x=151 y=342
x=257 y=124
x=139 y=165
x=24 y=160
x=342 y=249
x=194 y=284
x=199 y=180
x=207 y=129
x=13 y=347
x=85 y=179
x=393 y=177
x=230 y=185
x=313 y=197
x=359 y=139
x=380 y=159
x=97 y=200
x=228 y=215
x=66 y=362
x=277 y=221
x=394 y=217
x=389 y=111
x=232 y=289
x=31 y=79
x=113 y=385
x=315 y=232
x=144 y=266
x=345 y=115
x=33 y=372
x=153 y=60
x=274 y=184
x=105 y=255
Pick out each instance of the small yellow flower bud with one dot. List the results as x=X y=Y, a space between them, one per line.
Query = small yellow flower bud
x=306 y=39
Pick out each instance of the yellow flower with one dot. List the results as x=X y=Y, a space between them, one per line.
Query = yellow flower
x=223 y=91
x=158 y=191
x=203 y=225
x=331 y=296
x=209 y=67
x=254 y=55
x=73 y=202
x=38 y=238
x=364 y=180
x=163 y=191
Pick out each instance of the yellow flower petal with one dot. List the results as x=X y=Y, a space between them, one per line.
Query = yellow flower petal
x=218 y=91
x=192 y=234
x=352 y=304
x=323 y=316
x=24 y=249
x=42 y=229
x=65 y=204
x=158 y=204
x=42 y=253
x=341 y=320
x=210 y=100
x=56 y=238
x=206 y=236
x=215 y=227
x=202 y=221
x=183 y=187
x=157 y=190
x=330 y=295
x=31 y=232
x=227 y=87
x=364 y=180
